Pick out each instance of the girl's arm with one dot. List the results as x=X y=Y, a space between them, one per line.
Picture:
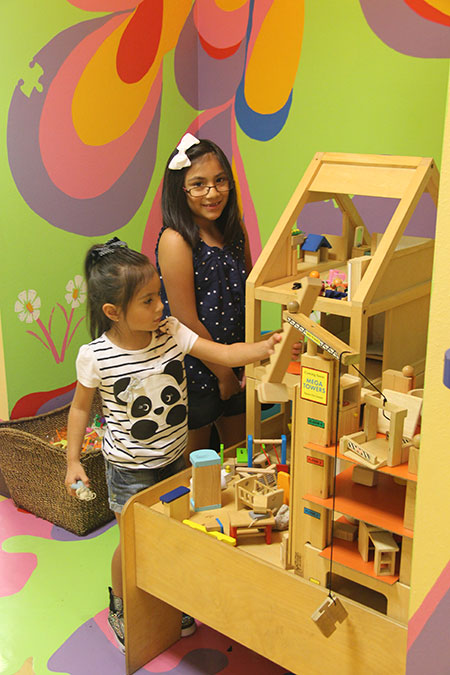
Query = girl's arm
x=175 y=261
x=76 y=429
x=237 y=354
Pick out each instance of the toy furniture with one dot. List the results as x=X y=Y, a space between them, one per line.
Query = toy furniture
x=245 y=523
x=252 y=493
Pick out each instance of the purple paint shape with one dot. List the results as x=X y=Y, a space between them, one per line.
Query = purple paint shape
x=60 y=534
x=376 y=212
x=87 y=652
x=430 y=651
x=56 y=402
x=105 y=657
x=218 y=129
x=89 y=217
x=402 y=29
x=203 y=81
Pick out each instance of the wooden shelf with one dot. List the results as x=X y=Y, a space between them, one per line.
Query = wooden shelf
x=400 y=471
x=382 y=505
x=346 y=553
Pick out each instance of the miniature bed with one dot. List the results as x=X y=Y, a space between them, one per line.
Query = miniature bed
x=240 y=591
x=392 y=283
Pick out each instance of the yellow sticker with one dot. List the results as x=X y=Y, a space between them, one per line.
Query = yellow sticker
x=314 y=385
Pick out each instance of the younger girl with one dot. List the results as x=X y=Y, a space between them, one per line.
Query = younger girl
x=203 y=257
x=137 y=364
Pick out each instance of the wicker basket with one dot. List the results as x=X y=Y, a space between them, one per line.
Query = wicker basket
x=34 y=470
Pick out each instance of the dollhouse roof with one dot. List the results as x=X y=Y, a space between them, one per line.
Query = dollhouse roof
x=315 y=241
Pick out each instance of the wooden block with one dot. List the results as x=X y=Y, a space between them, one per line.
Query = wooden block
x=364 y=476
x=319 y=469
x=345 y=531
x=413 y=460
x=413 y=406
x=326 y=616
x=272 y=392
x=206 y=483
x=405 y=561
x=397 y=381
x=284 y=550
x=211 y=524
x=410 y=504
x=283 y=482
x=177 y=503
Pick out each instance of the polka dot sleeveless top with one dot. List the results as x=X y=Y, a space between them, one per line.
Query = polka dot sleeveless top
x=219 y=278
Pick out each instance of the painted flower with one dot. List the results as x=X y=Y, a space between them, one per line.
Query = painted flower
x=27 y=306
x=76 y=292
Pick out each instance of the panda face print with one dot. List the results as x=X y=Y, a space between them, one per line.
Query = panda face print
x=155 y=403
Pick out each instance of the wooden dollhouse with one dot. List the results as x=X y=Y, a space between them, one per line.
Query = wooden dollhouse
x=361 y=517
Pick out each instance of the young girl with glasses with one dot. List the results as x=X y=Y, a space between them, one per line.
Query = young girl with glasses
x=203 y=257
x=136 y=361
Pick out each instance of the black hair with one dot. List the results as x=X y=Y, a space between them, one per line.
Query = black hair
x=113 y=274
x=176 y=213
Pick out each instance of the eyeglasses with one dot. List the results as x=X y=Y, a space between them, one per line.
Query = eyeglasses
x=221 y=185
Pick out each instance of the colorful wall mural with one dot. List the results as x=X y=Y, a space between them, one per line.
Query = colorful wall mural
x=96 y=93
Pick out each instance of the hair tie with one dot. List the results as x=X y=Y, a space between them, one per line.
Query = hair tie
x=181 y=160
x=109 y=247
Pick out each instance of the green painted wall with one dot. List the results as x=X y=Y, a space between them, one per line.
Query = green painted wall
x=352 y=93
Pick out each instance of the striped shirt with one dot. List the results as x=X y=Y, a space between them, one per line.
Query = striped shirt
x=144 y=396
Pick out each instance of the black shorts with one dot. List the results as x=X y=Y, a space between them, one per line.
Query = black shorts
x=206 y=407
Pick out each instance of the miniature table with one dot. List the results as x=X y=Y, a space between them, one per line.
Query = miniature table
x=242 y=523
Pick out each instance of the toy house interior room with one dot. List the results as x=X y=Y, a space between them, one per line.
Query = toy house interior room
x=318 y=542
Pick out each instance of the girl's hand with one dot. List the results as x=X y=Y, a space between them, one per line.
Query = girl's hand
x=74 y=473
x=296 y=350
x=228 y=385
x=271 y=342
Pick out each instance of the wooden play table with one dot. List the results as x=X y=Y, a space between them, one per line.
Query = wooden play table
x=240 y=591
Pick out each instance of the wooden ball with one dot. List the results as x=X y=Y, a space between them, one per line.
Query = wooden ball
x=408 y=371
x=293 y=306
x=416 y=441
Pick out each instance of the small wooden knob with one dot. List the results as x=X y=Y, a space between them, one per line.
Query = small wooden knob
x=408 y=371
x=293 y=306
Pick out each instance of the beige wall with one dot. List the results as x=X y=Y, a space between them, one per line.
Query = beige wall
x=432 y=524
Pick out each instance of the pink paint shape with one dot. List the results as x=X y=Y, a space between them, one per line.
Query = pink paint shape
x=219 y=28
x=428 y=606
x=105 y=5
x=248 y=209
x=79 y=170
x=16 y=568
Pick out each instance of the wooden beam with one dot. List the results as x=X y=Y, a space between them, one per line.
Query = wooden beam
x=271 y=251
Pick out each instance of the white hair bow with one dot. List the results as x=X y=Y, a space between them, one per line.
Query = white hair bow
x=181 y=160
